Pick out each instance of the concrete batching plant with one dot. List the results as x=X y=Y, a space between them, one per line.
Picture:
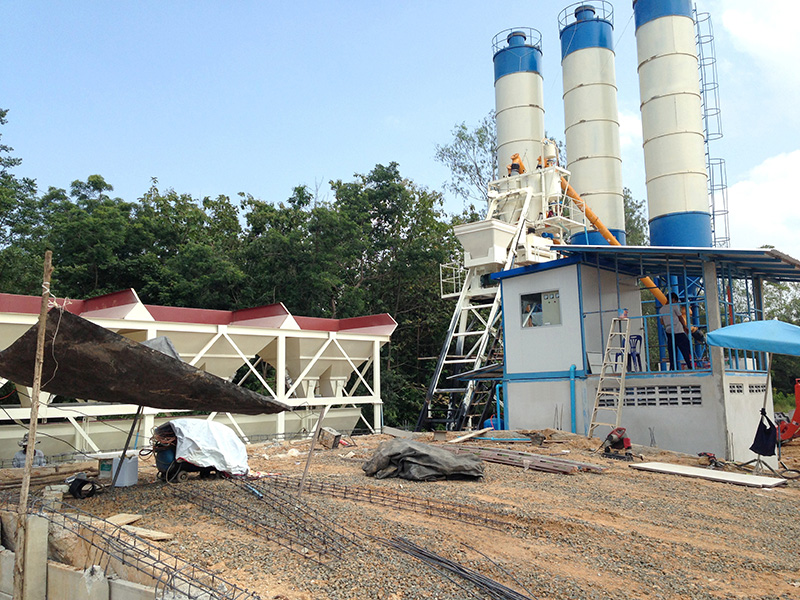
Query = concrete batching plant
x=543 y=290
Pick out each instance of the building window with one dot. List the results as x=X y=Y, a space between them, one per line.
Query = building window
x=540 y=309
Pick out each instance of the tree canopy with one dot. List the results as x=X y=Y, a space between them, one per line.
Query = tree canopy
x=374 y=247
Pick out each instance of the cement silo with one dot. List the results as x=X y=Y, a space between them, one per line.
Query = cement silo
x=591 y=120
x=519 y=106
x=672 y=125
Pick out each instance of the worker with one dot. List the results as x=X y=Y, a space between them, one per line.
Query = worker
x=676 y=328
x=19 y=458
x=516 y=167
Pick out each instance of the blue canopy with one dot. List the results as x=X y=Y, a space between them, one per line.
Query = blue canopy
x=759 y=336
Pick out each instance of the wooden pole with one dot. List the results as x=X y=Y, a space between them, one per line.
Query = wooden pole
x=322 y=414
x=22 y=511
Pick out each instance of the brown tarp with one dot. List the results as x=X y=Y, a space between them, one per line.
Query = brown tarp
x=90 y=362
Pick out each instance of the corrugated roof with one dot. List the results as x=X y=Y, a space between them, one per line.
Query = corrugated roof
x=769 y=264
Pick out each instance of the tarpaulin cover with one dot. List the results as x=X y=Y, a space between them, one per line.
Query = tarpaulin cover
x=86 y=361
x=759 y=336
x=209 y=444
x=408 y=459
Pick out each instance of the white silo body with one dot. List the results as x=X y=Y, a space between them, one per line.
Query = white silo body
x=591 y=119
x=519 y=105
x=672 y=126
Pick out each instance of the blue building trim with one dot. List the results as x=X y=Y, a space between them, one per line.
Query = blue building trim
x=535 y=268
x=595 y=238
x=517 y=57
x=583 y=327
x=645 y=11
x=544 y=376
x=593 y=33
x=687 y=229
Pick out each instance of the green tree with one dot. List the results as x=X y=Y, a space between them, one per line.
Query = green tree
x=398 y=271
x=636 y=228
x=184 y=252
x=782 y=302
x=88 y=233
x=470 y=156
x=20 y=261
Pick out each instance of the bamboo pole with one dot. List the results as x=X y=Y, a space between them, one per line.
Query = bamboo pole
x=22 y=510
x=322 y=414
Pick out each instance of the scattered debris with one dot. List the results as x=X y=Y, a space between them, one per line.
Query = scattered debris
x=399 y=433
x=148 y=534
x=469 y=435
x=537 y=439
x=329 y=438
x=82 y=486
x=123 y=519
x=416 y=461
x=527 y=460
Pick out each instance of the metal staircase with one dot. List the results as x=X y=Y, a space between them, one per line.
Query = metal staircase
x=611 y=386
x=473 y=340
x=526 y=215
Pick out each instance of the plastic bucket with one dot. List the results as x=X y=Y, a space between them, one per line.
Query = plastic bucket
x=128 y=474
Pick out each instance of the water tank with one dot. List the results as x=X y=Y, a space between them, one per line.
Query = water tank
x=591 y=119
x=672 y=127
x=519 y=107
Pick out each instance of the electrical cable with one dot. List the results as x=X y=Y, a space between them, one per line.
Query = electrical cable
x=47 y=435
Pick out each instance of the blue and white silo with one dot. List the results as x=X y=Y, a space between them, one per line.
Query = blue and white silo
x=672 y=126
x=591 y=119
x=519 y=105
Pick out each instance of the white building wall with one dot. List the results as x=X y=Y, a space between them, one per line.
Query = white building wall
x=552 y=348
x=679 y=412
x=744 y=397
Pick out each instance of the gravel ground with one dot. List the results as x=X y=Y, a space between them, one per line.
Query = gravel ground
x=622 y=533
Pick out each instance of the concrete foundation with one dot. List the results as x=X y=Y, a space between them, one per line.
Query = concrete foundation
x=51 y=580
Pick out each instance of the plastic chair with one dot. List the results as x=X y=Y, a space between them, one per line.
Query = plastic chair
x=634 y=353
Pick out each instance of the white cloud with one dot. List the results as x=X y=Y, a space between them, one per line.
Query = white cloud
x=630 y=130
x=764 y=208
x=767 y=32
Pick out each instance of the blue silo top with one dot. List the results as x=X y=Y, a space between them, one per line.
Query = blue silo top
x=645 y=11
x=583 y=27
x=516 y=51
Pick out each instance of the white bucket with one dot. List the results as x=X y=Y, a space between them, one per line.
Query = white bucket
x=128 y=474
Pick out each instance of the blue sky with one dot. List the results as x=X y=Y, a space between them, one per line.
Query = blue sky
x=219 y=98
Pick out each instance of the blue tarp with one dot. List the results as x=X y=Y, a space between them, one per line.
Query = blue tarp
x=759 y=336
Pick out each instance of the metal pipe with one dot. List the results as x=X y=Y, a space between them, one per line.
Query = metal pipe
x=497 y=404
x=573 y=425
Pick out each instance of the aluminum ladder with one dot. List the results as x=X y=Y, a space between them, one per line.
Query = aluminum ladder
x=611 y=386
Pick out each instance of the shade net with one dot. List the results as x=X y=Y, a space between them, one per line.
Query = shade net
x=86 y=361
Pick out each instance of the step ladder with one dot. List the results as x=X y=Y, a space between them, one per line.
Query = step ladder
x=611 y=386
